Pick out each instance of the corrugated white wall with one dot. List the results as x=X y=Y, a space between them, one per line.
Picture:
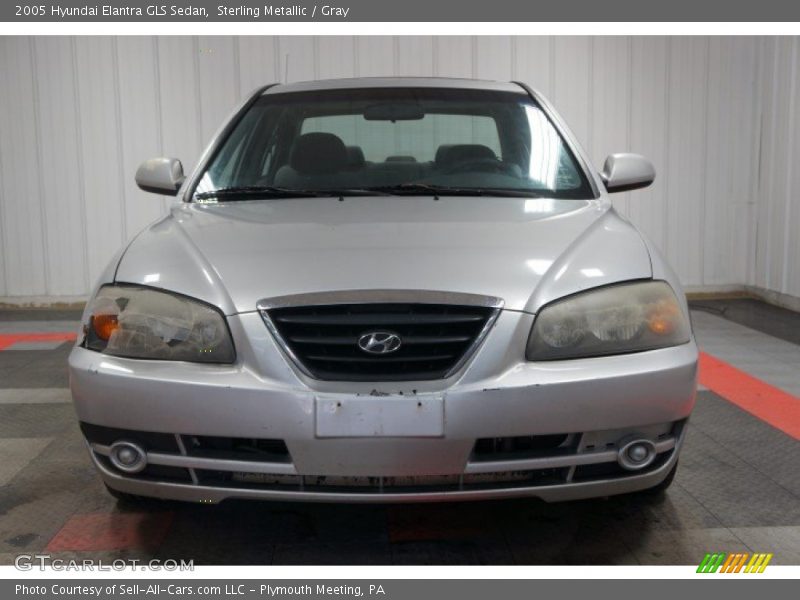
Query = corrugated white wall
x=716 y=116
x=776 y=256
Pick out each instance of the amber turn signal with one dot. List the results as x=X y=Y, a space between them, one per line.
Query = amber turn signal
x=664 y=319
x=104 y=326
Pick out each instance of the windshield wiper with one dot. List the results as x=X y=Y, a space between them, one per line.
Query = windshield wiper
x=252 y=192
x=411 y=189
x=256 y=192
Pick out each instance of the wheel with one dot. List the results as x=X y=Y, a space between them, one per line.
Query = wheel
x=659 y=489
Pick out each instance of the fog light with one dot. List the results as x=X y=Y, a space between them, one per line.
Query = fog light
x=636 y=454
x=128 y=457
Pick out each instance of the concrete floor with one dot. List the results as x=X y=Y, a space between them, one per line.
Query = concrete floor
x=737 y=488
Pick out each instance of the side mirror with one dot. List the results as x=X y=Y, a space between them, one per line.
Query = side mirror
x=623 y=172
x=160 y=176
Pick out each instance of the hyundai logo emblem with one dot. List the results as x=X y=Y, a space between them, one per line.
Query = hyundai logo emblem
x=380 y=342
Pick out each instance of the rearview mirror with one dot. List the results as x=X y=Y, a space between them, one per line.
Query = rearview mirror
x=623 y=172
x=405 y=111
x=160 y=176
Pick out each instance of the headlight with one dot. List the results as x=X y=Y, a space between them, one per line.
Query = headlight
x=631 y=317
x=138 y=322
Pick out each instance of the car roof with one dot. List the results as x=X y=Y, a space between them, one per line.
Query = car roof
x=398 y=82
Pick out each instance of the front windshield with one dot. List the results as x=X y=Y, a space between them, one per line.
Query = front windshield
x=393 y=140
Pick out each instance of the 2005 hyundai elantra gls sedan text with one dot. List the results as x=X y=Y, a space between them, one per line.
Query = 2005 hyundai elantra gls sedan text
x=382 y=290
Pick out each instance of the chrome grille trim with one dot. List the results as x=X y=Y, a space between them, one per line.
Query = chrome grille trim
x=379 y=296
x=552 y=462
x=198 y=462
x=471 y=468
x=496 y=469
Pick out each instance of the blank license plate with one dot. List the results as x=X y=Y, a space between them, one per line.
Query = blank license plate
x=380 y=416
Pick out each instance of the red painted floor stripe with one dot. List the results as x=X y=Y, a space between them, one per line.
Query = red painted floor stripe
x=9 y=339
x=112 y=531
x=767 y=402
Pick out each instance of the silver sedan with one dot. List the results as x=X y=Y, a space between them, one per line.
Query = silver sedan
x=383 y=290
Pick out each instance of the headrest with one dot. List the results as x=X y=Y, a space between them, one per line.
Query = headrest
x=451 y=154
x=441 y=152
x=401 y=158
x=318 y=153
x=355 y=157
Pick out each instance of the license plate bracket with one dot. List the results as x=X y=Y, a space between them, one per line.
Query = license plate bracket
x=420 y=415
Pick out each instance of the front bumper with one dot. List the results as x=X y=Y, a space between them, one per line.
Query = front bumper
x=595 y=404
x=210 y=494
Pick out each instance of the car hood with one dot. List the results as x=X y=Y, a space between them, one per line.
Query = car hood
x=525 y=251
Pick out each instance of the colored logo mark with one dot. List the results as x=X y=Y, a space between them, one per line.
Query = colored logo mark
x=739 y=562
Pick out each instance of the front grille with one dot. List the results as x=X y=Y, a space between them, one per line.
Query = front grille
x=523 y=447
x=435 y=338
x=149 y=440
x=226 y=448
